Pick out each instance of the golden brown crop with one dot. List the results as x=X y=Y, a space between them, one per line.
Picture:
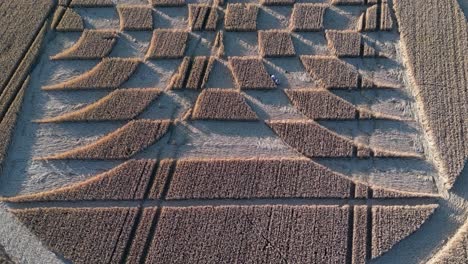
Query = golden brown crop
x=325 y=69
x=321 y=104
x=91 y=3
x=277 y=2
x=307 y=17
x=135 y=17
x=8 y=123
x=250 y=73
x=222 y=104
x=167 y=44
x=192 y=73
x=275 y=43
x=167 y=2
x=202 y=17
x=439 y=77
x=255 y=178
x=241 y=17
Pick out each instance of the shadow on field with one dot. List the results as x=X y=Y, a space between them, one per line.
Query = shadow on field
x=342 y=17
x=220 y=76
x=240 y=44
x=200 y=43
x=273 y=17
x=170 y=17
x=132 y=44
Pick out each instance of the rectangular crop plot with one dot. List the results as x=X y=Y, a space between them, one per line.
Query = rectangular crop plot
x=135 y=17
x=250 y=73
x=82 y=235
x=168 y=44
x=255 y=178
x=307 y=17
x=275 y=43
x=241 y=17
x=91 y=3
x=344 y=43
x=348 y=2
x=222 y=104
x=167 y=2
x=277 y=2
x=251 y=234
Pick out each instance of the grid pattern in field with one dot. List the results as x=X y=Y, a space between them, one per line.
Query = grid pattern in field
x=239 y=123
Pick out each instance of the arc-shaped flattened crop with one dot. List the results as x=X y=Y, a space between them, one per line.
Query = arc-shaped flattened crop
x=110 y=73
x=121 y=144
x=93 y=44
x=122 y=104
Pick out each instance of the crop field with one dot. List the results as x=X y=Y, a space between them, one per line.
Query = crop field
x=167 y=44
x=135 y=17
x=219 y=104
x=229 y=131
x=275 y=44
x=70 y=21
x=241 y=17
x=202 y=17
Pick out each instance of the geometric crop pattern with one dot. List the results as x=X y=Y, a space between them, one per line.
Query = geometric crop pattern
x=230 y=210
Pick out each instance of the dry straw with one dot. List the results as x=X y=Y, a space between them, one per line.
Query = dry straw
x=119 y=105
x=120 y=144
x=126 y=182
x=110 y=73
